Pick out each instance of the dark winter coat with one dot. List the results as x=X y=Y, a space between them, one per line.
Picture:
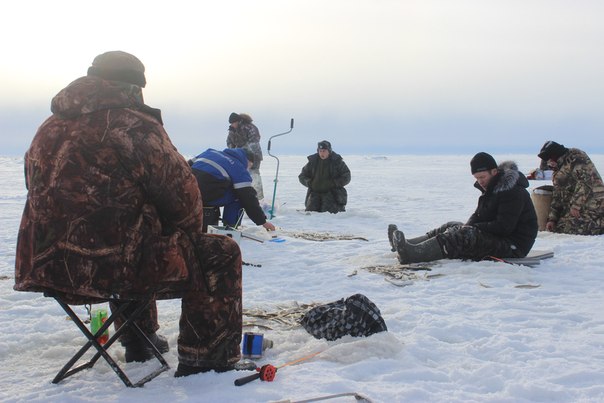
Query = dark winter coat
x=337 y=173
x=111 y=206
x=223 y=178
x=505 y=208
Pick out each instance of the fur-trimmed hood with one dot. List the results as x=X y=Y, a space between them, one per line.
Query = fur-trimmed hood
x=508 y=176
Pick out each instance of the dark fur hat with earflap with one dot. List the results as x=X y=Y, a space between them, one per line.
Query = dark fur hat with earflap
x=240 y=117
x=324 y=145
x=552 y=151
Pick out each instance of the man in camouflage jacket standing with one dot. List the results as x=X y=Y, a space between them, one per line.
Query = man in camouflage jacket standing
x=578 y=198
x=244 y=134
x=113 y=209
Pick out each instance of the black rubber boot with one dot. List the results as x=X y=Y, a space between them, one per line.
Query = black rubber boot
x=391 y=229
x=137 y=351
x=426 y=251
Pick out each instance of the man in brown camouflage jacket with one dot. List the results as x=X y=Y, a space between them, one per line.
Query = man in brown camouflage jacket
x=113 y=209
x=578 y=198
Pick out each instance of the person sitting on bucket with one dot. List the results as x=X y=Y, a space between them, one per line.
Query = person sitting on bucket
x=577 y=205
x=504 y=224
x=224 y=181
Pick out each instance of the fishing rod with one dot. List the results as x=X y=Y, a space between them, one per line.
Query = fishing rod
x=267 y=372
x=291 y=127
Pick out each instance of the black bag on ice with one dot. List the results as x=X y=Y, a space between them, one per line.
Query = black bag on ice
x=355 y=315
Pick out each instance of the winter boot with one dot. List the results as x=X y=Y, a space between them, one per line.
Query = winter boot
x=137 y=351
x=186 y=370
x=426 y=251
x=391 y=229
x=419 y=239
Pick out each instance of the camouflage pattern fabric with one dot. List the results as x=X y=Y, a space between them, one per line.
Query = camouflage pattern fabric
x=111 y=203
x=577 y=185
x=114 y=210
x=211 y=315
x=211 y=319
x=246 y=135
x=459 y=241
x=257 y=183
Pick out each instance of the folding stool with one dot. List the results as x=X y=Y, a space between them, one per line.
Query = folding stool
x=136 y=307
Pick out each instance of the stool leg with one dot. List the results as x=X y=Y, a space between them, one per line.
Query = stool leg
x=67 y=370
x=139 y=306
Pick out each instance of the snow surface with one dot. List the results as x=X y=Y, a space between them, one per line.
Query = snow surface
x=472 y=331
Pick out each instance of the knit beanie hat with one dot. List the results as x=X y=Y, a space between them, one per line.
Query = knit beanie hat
x=234 y=117
x=552 y=150
x=324 y=145
x=118 y=66
x=482 y=162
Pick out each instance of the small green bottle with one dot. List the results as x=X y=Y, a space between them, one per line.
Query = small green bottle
x=98 y=317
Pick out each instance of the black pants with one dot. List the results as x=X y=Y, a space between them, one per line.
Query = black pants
x=460 y=241
x=323 y=202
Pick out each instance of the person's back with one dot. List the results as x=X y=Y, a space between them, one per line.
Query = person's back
x=114 y=209
x=91 y=169
x=224 y=181
x=219 y=172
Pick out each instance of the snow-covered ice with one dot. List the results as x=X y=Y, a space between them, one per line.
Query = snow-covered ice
x=464 y=331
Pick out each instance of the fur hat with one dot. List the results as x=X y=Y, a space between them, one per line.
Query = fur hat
x=482 y=162
x=324 y=145
x=118 y=66
x=234 y=117
x=552 y=150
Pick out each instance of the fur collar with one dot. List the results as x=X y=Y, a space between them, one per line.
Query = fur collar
x=508 y=176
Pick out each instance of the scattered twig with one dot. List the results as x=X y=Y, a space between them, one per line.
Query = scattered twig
x=323 y=236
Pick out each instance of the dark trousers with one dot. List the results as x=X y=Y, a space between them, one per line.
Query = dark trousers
x=460 y=241
x=211 y=312
x=323 y=202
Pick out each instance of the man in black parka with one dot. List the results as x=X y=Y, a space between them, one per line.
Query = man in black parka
x=325 y=175
x=504 y=224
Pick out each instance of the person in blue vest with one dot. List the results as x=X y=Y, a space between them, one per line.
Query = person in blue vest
x=224 y=181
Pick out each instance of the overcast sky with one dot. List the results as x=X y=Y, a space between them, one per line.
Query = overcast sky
x=372 y=76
